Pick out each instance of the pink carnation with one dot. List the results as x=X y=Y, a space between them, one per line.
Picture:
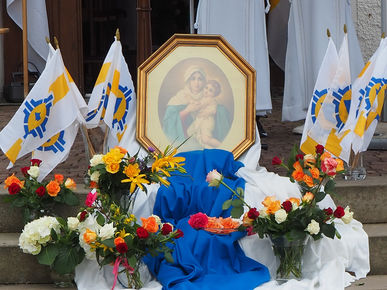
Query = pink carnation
x=329 y=166
x=90 y=198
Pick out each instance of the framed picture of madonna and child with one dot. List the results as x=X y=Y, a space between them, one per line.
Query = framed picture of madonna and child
x=196 y=90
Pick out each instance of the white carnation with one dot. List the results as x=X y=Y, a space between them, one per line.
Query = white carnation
x=33 y=171
x=313 y=227
x=348 y=216
x=95 y=176
x=280 y=215
x=96 y=159
x=72 y=223
x=107 y=231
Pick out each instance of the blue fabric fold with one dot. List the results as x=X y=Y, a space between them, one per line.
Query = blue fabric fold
x=203 y=260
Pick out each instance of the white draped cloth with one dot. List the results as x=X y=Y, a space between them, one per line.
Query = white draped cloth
x=325 y=261
x=242 y=23
x=307 y=42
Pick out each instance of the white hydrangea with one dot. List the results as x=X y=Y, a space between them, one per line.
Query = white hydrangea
x=348 y=216
x=34 y=171
x=280 y=215
x=95 y=176
x=96 y=159
x=37 y=233
x=72 y=223
x=313 y=227
x=107 y=231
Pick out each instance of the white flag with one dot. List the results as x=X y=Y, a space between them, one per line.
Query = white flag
x=48 y=109
x=334 y=110
x=112 y=101
x=324 y=80
x=367 y=99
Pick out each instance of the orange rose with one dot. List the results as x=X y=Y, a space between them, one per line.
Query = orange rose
x=326 y=154
x=118 y=241
x=59 y=178
x=53 y=188
x=70 y=183
x=214 y=223
x=297 y=165
x=309 y=160
x=122 y=150
x=13 y=179
x=308 y=180
x=315 y=172
x=229 y=223
x=93 y=184
x=298 y=174
x=150 y=224
x=112 y=167
x=340 y=165
x=294 y=200
x=89 y=236
x=308 y=197
x=271 y=204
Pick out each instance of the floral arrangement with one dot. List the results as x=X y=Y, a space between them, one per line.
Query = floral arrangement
x=295 y=219
x=113 y=236
x=54 y=242
x=116 y=171
x=216 y=225
x=38 y=198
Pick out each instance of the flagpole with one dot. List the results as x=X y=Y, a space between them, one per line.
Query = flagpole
x=25 y=48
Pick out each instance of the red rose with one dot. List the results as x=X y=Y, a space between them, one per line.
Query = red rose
x=339 y=212
x=41 y=190
x=328 y=211
x=276 y=161
x=299 y=157
x=82 y=216
x=14 y=188
x=142 y=233
x=24 y=170
x=253 y=213
x=198 y=220
x=179 y=234
x=319 y=149
x=287 y=205
x=166 y=229
x=250 y=231
x=35 y=162
x=122 y=248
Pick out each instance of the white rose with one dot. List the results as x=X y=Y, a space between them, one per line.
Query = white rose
x=348 y=216
x=158 y=220
x=95 y=176
x=96 y=159
x=72 y=223
x=214 y=178
x=263 y=213
x=107 y=231
x=33 y=171
x=313 y=227
x=280 y=215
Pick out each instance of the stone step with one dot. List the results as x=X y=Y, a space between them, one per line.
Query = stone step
x=377 y=234
x=11 y=217
x=32 y=287
x=366 y=198
x=373 y=282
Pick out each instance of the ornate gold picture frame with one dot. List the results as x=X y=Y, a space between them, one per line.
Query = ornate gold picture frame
x=198 y=90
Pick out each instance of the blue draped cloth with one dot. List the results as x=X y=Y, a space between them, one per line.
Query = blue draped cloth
x=203 y=260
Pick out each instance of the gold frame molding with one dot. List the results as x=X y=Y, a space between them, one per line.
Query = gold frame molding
x=239 y=78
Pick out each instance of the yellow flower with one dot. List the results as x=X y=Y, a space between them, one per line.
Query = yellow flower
x=159 y=165
x=70 y=183
x=271 y=204
x=340 y=165
x=164 y=181
x=113 y=156
x=113 y=167
x=138 y=180
x=174 y=161
x=89 y=236
x=308 y=197
x=132 y=170
x=122 y=234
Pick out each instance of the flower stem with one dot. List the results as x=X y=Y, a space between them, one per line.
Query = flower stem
x=234 y=193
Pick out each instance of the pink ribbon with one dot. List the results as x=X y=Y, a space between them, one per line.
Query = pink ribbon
x=124 y=262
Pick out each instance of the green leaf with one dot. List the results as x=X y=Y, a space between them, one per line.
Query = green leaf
x=20 y=202
x=66 y=260
x=70 y=198
x=53 y=234
x=129 y=241
x=237 y=202
x=168 y=257
x=109 y=242
x=62 y=221
x=227 y=204
x=100 y=219
x=132 y=261
x=47 y=255
x=328 y=230
x=319 y=196
x=236 y=212
x=330 y=187
x=240 y=191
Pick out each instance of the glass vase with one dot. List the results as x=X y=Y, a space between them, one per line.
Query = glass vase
x=131 y=279
x=62 y=280
x=289 y=257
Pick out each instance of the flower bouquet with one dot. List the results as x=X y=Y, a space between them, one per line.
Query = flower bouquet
x=38 y=198
x=54 y=242
x=290 y=223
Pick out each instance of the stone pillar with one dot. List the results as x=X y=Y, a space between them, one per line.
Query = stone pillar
x=144 y=32
x=1 y=52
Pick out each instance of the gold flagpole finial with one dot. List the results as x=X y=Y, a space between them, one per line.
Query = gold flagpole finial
x=118 y=34
x=383 y=35
x=345 y=28
x=328 y=32
x=56 y=42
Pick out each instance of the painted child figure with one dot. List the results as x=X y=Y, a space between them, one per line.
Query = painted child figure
x=203 y=125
